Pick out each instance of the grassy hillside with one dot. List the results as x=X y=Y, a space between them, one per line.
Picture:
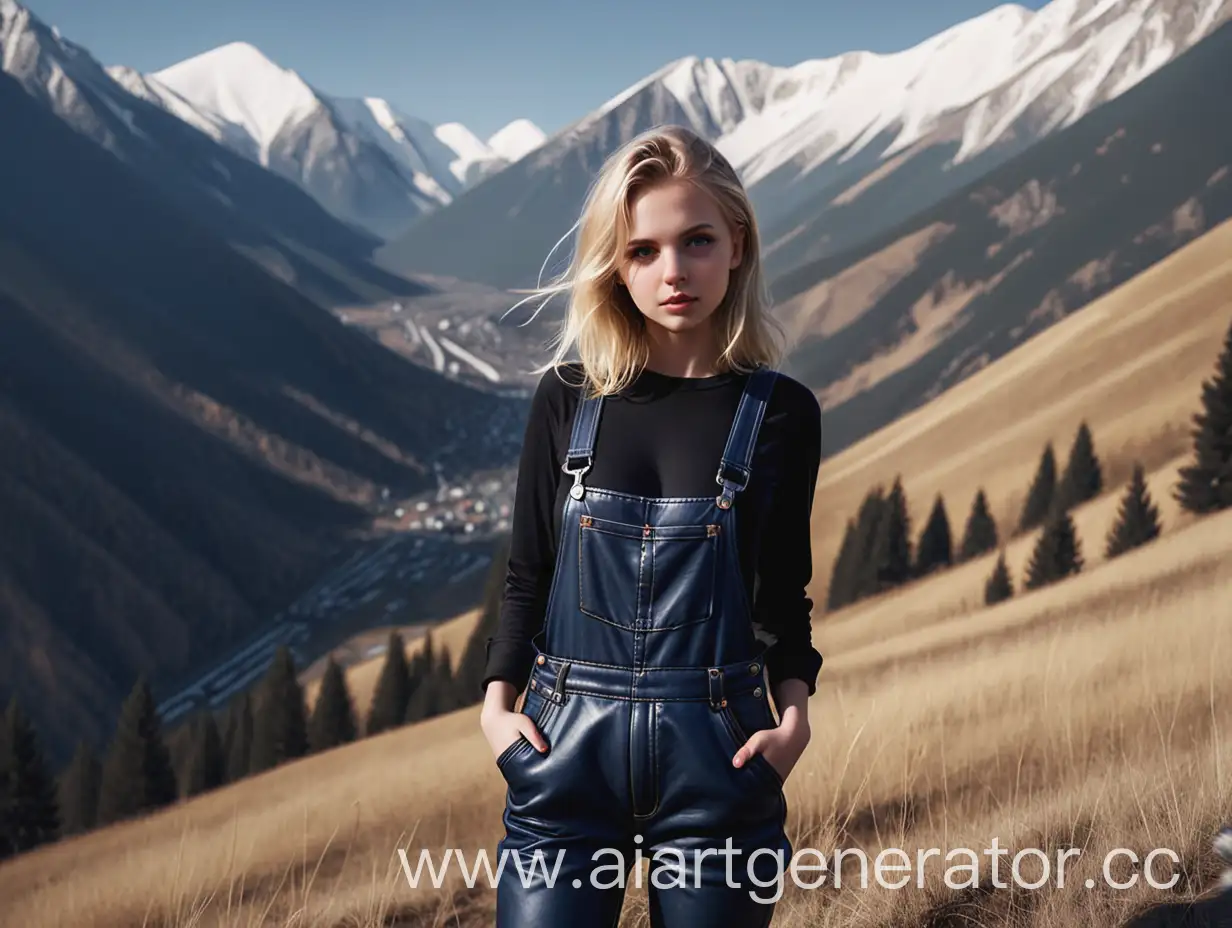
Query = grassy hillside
x=1131 y=364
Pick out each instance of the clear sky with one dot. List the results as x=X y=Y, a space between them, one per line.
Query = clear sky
x=485 y=63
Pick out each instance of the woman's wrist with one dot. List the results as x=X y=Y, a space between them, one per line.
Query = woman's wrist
x=791 y=697
x=498 y=696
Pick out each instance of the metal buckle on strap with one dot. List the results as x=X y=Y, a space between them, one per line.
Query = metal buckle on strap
x=577 y=490
x=730 y=484
x=733 y=474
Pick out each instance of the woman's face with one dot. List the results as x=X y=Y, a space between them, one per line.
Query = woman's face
x=678 y=261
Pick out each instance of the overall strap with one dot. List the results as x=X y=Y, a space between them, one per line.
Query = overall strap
x=736 y=466
x=582 y=442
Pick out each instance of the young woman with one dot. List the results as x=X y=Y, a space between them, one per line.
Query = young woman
x=655 y=593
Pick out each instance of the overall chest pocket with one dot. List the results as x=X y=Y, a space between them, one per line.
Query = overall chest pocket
x=646 y=577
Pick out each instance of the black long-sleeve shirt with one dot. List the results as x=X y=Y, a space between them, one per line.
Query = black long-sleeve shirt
x=664 y=436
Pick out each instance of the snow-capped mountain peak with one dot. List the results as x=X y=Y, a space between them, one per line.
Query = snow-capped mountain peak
x=238 y=84
x=361 y=157
x=464 y=142
x=516 y=140
x=981 y=75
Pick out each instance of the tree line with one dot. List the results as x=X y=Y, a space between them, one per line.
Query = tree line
x=877 y=552
x=146 y=767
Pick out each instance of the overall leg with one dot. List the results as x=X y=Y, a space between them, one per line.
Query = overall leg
x=564 y=819
x=718 y=841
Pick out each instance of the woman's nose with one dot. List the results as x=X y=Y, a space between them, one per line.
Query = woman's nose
x=673 y=268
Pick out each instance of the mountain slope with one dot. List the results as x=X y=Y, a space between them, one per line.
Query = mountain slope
x=364 y=160
x=951 y=109
x=885 y=327
x=184 y=440
x=264 y=215
x=834 y=150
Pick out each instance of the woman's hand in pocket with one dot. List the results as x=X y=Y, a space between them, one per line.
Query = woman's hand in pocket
x=502 y=727
x=783 y=744
x=781 y=747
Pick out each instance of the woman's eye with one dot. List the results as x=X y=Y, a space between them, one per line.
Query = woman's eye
x=703 y=239
x=640 y=252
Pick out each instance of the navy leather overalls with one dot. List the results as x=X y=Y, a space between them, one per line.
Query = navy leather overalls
x=647 y=679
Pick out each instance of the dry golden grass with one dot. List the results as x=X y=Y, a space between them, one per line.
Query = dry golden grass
x=1093 y=713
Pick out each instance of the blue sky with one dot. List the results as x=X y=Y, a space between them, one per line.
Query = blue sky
x=485 y=63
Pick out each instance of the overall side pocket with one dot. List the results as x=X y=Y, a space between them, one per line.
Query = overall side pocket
x=743 y=716
x=538 y=708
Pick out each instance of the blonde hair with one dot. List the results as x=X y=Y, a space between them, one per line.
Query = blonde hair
x=601 y=319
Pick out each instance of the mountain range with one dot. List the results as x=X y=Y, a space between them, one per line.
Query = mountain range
x=269 y=218
x=834 y=151
x=368 y=163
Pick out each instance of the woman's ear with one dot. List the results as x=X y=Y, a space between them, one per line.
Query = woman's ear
x=737 y=247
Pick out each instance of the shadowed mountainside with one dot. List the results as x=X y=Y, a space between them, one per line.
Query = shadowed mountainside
x=185 y=440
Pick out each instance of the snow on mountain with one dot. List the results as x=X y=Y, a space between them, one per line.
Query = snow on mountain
x=1069 y=56
x=153 y=91
x=237 y=85
x=60 y=74
x=362 y=158
x=193 y=159
x=516 y=140
x=476 y=159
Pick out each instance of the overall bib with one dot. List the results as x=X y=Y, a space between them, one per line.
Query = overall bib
x=647 y=679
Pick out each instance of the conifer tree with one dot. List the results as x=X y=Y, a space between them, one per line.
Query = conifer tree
x=892 y=548
x=393 y=689
x=280 y=718
x=998 y=586
x=426 y=697
x=843 y=573
x=207 y=762
x=936 y=548
x=31 y=815
x=868 y=531
x=136 y=776
x=1137 y=520
x=1205 y=484
x=980 y=534
x=239 y=738
x=333 y=716
x=448 y=681
x=1058 y=551
x=78 y=791
x=1043 y=489
x=427 y=700
x=1083 y=479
